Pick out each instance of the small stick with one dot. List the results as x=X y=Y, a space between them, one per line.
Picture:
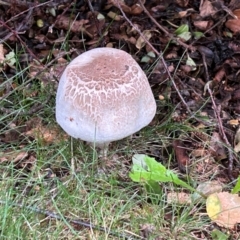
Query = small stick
x=17 y=32
x=217 y=111
x=160 y=55
x=95 y=18
x=164 y=30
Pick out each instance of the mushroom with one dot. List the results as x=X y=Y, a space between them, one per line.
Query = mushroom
x=103 y=96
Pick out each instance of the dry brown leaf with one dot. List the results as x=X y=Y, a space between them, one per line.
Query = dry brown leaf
x=237 y=141
x=224 y=209
x=140 y=41
x=2 y=57
x=171 y=55
x=124 y=37
x=181 y=154
x=220 y=75
x=114 y=16
x=233 y=25
x=206 y=9
x=217 y=147
x=46 y=134
x=210 y=187
x=66 y=23
x=182 y=3
x=200 y=152
x=203 y=25
x=136 y=9
x=13 y=156
x=178 y=198
x=120 y=3
x=47 y=76
x=146 y=229
x=186 y=68
x=207 y=188
x=1 y=54
x=233 y=122
x=237 y=13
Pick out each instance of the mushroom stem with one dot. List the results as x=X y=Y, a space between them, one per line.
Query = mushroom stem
x=103 y=151
x=103 y=148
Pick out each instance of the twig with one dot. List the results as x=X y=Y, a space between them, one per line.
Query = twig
x=19 y=3
x=217 y=111
x=29 y=4
x=140 y=33
x=17 y=32
x=159 y=55
x=165 y=66
x=29 y=9
x=164 y=30
x=72 y=221
x=95 y=18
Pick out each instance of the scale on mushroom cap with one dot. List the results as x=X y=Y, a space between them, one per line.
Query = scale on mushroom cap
x=103 y=96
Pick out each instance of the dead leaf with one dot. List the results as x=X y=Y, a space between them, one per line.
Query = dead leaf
x=182 y=3
x=207 y=188
x=206 y=9
x=237 y=13
x=178 y=198
x=181 y=154
x=141 y=42
x=66 y=23
x=123 y=6
x=1 y=54
x=233 y=25
x=199 y=152
x=2 y=58
x=114 y=16
x=220 y=75
x=136 y=9
x=203 y=25
x=224 y=209
x=233 y=122
x=44 y=133
x=237 y=141
x=13 y=156
x=217 y=147
x=146 y=229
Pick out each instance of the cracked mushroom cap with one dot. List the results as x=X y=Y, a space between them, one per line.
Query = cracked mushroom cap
x=103 y=96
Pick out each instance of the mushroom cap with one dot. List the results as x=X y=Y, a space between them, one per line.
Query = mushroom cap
x=103 y=96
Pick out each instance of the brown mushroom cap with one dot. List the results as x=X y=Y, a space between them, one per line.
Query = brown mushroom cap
x=103 y=96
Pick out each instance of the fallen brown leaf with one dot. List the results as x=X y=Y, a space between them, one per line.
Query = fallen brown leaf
x=181 y=154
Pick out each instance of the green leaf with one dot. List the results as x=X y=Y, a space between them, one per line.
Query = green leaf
x=236 y=189
x=182 y=29
x=145 y=59
x=10 y=57
x=191 y=63
x=151 y=54
x=153 y=187
x=198 y=35
x=186 y=36
x=151 y=170
x=218 y=235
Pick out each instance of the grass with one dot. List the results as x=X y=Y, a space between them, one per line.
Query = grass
x=105 y=198
x=38 y=174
